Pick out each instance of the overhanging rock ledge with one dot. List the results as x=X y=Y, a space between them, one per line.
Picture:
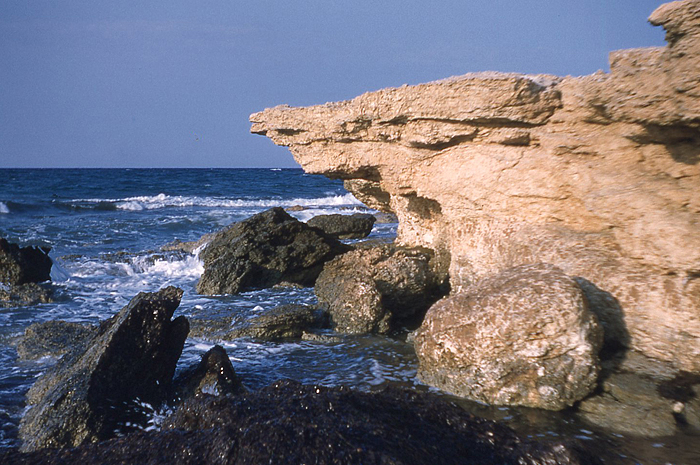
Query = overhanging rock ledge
x=598 y=175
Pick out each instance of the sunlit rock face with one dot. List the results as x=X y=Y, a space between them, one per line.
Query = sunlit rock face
x=598 y=175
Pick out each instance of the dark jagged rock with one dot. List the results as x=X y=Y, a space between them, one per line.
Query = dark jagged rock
x=356 y=226
x=213 y=375
x=284 y=321
x=21 y=265
x=288 y=423
x=266 y=249
x=26 y=294
x=378 y=289
x=53 y=338
x=91 y=393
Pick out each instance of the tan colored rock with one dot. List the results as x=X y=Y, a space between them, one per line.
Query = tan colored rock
x=524 y=337
x=598 y=175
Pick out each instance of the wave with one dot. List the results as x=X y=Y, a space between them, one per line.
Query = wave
x=3 y=208
x=159 y=201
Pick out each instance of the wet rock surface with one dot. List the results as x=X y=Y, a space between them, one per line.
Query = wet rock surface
x=288 y=423
x=379 y=289
x=356 y=226
x=266 y=249
x=524 y=337
x=91 y=393
x=213 y=375
x=21 y=265
x=27 y=294
x=284 y=321
x=53 y=339
x=643 y=397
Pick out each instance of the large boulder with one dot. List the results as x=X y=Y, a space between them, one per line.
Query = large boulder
x=289 y=423
x=91 y=394
x=267 y=249
x=523 y=337
x=595 y=174
x=355 y=226
x=284 y=321
x=378 y=289
x=22 y=265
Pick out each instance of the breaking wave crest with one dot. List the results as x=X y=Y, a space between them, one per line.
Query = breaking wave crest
x=168 y=201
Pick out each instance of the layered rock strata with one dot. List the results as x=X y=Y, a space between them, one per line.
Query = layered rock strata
x=598 y=175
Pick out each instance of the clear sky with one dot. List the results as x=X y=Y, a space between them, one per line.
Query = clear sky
x=86 y=83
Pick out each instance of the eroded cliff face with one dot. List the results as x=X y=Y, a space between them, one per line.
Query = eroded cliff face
x=598 y=175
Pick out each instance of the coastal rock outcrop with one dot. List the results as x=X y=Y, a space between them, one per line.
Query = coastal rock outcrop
x=355 y=226
x=378 y=289
x=290 y=423
x=22 y=265
x=266 y=249
x=524 y=337
x=598 y=175
x=91 y=393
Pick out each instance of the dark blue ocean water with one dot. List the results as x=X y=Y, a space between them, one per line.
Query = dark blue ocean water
x=106 y=228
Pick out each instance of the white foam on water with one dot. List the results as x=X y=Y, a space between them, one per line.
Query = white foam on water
x=4 y=209
x=153 y=202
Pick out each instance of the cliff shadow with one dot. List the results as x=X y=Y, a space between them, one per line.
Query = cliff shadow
x=616 y=337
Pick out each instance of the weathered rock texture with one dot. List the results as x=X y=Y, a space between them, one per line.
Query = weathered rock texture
x=288 y=423
x=93 y=392
x=378 y=289
x=22 y=265
x=524 y=337
x=599 y=175
x=354 y=226
x=266 y=249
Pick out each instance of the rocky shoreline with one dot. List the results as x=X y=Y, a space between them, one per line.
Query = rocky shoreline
x=547 y=257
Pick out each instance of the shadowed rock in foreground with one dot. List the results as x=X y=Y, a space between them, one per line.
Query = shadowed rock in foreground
x=95 y=390
x=288 y=423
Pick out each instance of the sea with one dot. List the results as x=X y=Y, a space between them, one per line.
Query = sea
x=106 y=228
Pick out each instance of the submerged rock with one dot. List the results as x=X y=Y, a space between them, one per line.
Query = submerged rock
x=91 y=393
x=356 y=226
x=288 y=423
x=21 y=265
x=266 y=249
x=213 y=375
x=378 y=289
x=524 y=337
x=26 y=295
x=53 y=339
x=284 y=321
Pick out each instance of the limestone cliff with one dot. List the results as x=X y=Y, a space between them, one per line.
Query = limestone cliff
x=598 y=175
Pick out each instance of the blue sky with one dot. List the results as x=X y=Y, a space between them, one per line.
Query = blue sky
x=171 y=84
